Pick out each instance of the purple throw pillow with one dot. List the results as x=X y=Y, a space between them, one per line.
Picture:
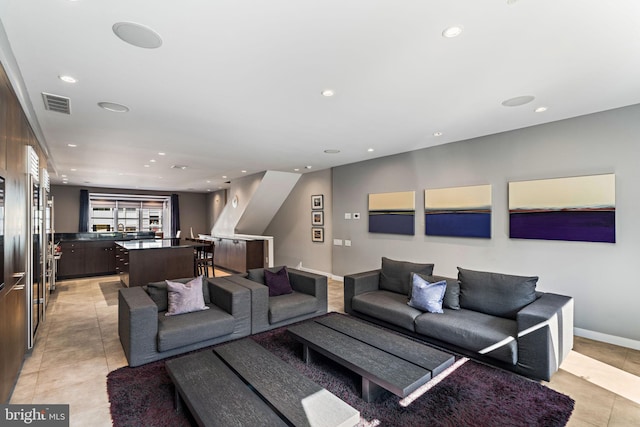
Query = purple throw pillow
x=278 y=283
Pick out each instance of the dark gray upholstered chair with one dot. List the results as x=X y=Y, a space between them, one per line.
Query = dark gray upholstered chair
x=309 y=298
x=147 y=334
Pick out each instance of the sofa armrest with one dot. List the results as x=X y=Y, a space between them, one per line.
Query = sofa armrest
x=137 y=324
x=235 y=300
x=259 y=301
x=355 y=284
x=310 y=284
x=545 y=335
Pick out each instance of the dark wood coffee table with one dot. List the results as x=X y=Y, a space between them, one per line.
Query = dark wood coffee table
x=384 y=360
x=243 y=384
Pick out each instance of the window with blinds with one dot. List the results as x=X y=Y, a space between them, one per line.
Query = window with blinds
x=128 y=213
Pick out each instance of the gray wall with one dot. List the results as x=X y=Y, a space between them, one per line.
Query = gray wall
x=291 y=227
x=193 y=207
x=215 y=203
x=600 y=276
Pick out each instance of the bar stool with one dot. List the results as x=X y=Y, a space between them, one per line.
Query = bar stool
x=204 y=258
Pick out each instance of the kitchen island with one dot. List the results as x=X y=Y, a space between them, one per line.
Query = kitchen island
x=143 y=261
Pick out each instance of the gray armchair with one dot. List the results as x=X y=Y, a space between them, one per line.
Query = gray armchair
x=147 y=334
x=308 y=299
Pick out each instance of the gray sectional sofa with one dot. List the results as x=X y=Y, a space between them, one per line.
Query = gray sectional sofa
x=147 y=334
x=492 y=317
x=239 y=305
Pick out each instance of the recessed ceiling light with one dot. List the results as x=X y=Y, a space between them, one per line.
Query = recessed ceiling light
x=137 y=35
x=540 y=109
x=182 y=167
x=147 y=166
x=328 y=92
x=224 y=176
x=518 y=100
x=63 y=176
x=72 y=145
x=112 y=106
x=332 y=151
x=453 y=31
x=208 y=181
x=152 y=160
x=370 y=150
x=67 y=79
x=73 y=169
x=161 y=154
x=437 y=133
x=296 y=170
x=307 y=167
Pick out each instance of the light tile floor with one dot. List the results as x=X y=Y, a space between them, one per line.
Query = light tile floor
x=78 y=345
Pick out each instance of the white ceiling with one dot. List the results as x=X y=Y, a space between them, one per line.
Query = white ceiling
x=236 y=84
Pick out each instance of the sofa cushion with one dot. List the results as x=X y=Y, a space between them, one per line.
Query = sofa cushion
x=285 y=307
x=451 y=294
x=473 y=331
x=494 y=293
x=427 y=296
x=278 y=283
x=396 y=275
x=185 y=297
x=158 y=292
x=179 y=331
x=388 y=306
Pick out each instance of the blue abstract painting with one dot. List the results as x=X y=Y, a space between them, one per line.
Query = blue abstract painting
x=575 y=209
x=392 y=213
x=458 y=211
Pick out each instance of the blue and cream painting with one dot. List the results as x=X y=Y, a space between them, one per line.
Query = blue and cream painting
x=458 y=211
x=577 y=209
x=392 y=213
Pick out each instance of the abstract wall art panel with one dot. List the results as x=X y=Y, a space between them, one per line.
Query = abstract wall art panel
x=458 y=211
x=577 y=209
x=392 y=213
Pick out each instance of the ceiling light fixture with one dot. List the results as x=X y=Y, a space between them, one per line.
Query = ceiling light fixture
x=152 y=160
x=307 y=167
x=137 y=35
x=328 y=92
x=243 y=171
x=518 y=101
x=161 y=154
x=72 y=145
x=436 y=134
x=296 y=169
x=73 y=169
x=224 y=176
x=181 y=167
x=540 y=109
x=332 y=151
x=451 y=32
x=114 y=107
x=370 y=150
x=68 y=79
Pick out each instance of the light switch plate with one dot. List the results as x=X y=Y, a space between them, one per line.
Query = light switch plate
x=347 y=215
x=337 y=242
x=356 y=215
x=347 y=242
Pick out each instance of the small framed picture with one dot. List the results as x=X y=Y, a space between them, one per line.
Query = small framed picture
x=317 y=234
x=317 y=202
x=317 y=218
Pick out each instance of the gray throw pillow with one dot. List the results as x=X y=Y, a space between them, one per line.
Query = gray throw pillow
x=185 y=297
x=396 y=275
x=426 y=296
x=451 y=295
x=158 y=292
x=497 y=294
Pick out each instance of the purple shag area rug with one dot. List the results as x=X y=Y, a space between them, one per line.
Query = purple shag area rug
x=473 y=394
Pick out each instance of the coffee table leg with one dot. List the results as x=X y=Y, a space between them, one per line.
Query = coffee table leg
x=178 y=401
x=370 y=390
x=306 y=353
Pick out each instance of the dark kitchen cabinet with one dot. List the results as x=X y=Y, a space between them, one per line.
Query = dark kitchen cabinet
x=239 y=255
x=86 y=258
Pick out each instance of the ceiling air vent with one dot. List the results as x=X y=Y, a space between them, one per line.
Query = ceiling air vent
x=56 y=103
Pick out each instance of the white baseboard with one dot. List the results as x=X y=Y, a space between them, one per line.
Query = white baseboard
x=611 y=339
x=322 y=273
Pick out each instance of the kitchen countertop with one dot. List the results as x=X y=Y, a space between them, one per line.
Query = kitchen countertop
x=157 y=244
